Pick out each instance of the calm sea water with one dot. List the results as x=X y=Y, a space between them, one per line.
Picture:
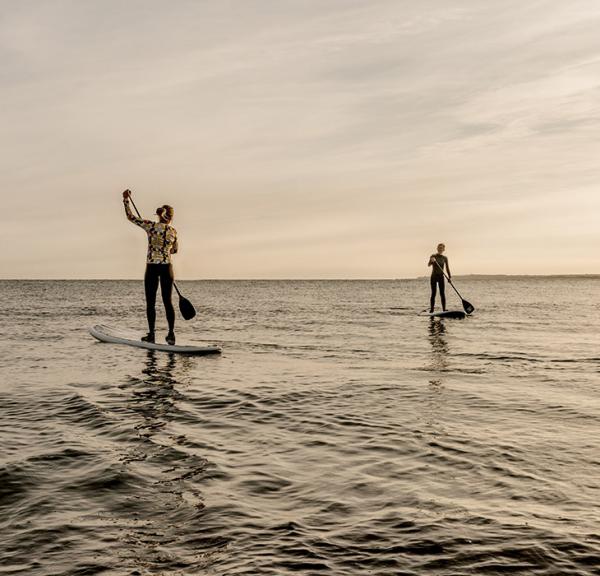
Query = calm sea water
x=339 y=433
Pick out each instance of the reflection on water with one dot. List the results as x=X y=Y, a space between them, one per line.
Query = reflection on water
x=169 y=497
x=439 y=346
x=153 y=396
x=157 y=373
x=434 y=403
x=166 y=369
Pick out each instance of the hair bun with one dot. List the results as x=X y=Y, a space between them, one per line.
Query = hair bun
x=165 y=212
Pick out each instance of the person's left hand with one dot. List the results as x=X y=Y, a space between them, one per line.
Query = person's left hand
x=126 y=194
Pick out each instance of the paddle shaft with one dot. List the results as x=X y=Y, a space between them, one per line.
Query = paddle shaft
x=134 y=206
x=447 y=278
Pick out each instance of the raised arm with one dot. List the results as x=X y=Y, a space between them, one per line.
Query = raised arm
x=130 y=215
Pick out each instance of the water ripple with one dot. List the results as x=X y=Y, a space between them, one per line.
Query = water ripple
x=339 y=433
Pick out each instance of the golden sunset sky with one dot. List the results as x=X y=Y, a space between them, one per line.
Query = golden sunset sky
x=301 y=139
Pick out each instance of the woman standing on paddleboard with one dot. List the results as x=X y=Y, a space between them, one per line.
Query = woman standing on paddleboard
x=162 y=242
x=437 y=262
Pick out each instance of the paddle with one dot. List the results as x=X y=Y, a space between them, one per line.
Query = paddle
x=185 y=306
x=468 y=307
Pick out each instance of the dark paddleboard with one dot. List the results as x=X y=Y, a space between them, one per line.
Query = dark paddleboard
x=117 y=336
x=448 y=314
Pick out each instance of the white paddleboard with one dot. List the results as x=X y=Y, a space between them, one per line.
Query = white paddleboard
x=448 y=314
x=117 y=336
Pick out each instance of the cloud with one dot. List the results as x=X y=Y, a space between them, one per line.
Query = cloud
x=279 y=127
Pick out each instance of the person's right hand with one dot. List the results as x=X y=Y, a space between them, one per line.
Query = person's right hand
x=126 y=194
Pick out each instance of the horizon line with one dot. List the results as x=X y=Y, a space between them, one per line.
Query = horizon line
x=340 y=279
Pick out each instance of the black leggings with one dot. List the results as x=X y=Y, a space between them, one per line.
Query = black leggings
x=437 y=280
x=154 y=274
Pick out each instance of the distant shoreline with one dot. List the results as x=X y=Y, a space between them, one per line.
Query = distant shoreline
x=517 y=276
x=460 y=277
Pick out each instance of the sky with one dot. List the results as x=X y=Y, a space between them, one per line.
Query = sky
x=301 y=138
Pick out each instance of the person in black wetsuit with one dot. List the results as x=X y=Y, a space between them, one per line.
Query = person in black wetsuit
x=437 y=262
x=162 y=242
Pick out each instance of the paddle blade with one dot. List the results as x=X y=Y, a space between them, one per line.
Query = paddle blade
x=469 y=308
x=186 y=308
